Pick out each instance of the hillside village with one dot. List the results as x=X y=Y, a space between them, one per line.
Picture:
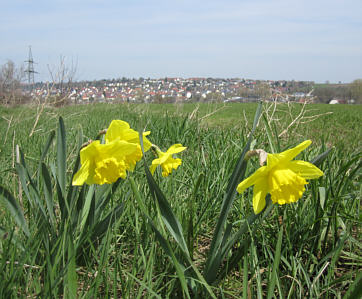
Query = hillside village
x=15 y=89
x=168 y=90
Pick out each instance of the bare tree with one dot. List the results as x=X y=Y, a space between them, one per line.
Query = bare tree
x=62 y=77
x=356 y=91
x=10 y=84
x=263 y=91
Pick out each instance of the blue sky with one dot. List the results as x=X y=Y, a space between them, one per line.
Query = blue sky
x=276 y=40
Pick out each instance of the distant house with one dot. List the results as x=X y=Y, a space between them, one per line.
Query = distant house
x=333 y=102
x=299 y=94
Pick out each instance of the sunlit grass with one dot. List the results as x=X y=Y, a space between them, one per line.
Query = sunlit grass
x=320 y=250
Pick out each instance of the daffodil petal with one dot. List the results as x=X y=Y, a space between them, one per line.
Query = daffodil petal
x=259 y=193
x=89 y=152
x=305 y=169
x=169 y=165
x=290 y=154
x=156 y=161
x=86 y=171
x=116 y=130
x=163 y=157
x=120 y=130
x=272 y=160
x=283 y=178
x=173 y=164
x=118 y=149
x=133 y=137
x=176 y=148
x=146 y=143
x=251 y=180
x=83 y=174
x=153 y=168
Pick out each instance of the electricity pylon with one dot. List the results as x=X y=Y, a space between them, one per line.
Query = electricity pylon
x=30 y=68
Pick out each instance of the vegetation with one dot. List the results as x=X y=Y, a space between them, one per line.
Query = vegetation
x=64 y=90
x=11 y=78
x=119 y=241
x=342 y=92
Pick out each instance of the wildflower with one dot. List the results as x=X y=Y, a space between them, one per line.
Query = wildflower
x=166 y=160
x=119 y=129
x=105 y=163
x=283 y=178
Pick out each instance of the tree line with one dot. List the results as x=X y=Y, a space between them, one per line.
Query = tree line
x=351 y=92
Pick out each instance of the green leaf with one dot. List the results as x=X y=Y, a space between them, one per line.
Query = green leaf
x=191 y=211
x=63 y=204
x=104 y=194
x=269 y=135
x=163 y=242
x=6 y=235
x=22 y=174
x=239 y=252
x=320 y=158
x=14 y=209
x=31 y=191
x=214 y=255
x=48 y=194
x=245 y=277
x=71 y=271
x=336 y=254
x=87 y=207
x=73 y=191
x=101 y=227
x=45 y=150
x=322 y=196
x=169 y=218
x=274 y=273
x=180 y=267
x=61 y=155
x=355 y=289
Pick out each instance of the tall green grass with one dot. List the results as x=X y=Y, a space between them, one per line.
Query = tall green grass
x=90 y=243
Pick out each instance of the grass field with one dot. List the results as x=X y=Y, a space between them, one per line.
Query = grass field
x=120 y=241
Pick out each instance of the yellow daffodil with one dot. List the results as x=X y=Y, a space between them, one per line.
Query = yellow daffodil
x=283 y=178
x=119 y=129
x=166 y=160
x=104 y=163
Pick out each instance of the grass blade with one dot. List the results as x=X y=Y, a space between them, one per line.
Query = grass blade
x=355 y=289
x=48 y=194
x=87 y=206
x=213 y=260
x=61 y=156
x=245 y=277
x=14 y=209
x=269 y=135
x=30 y=190
x=172 y=223
x=45 y=151
x=71 y=271
x=274 y=273
x=101 y=227
x=320 y=158
x=163 y=242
